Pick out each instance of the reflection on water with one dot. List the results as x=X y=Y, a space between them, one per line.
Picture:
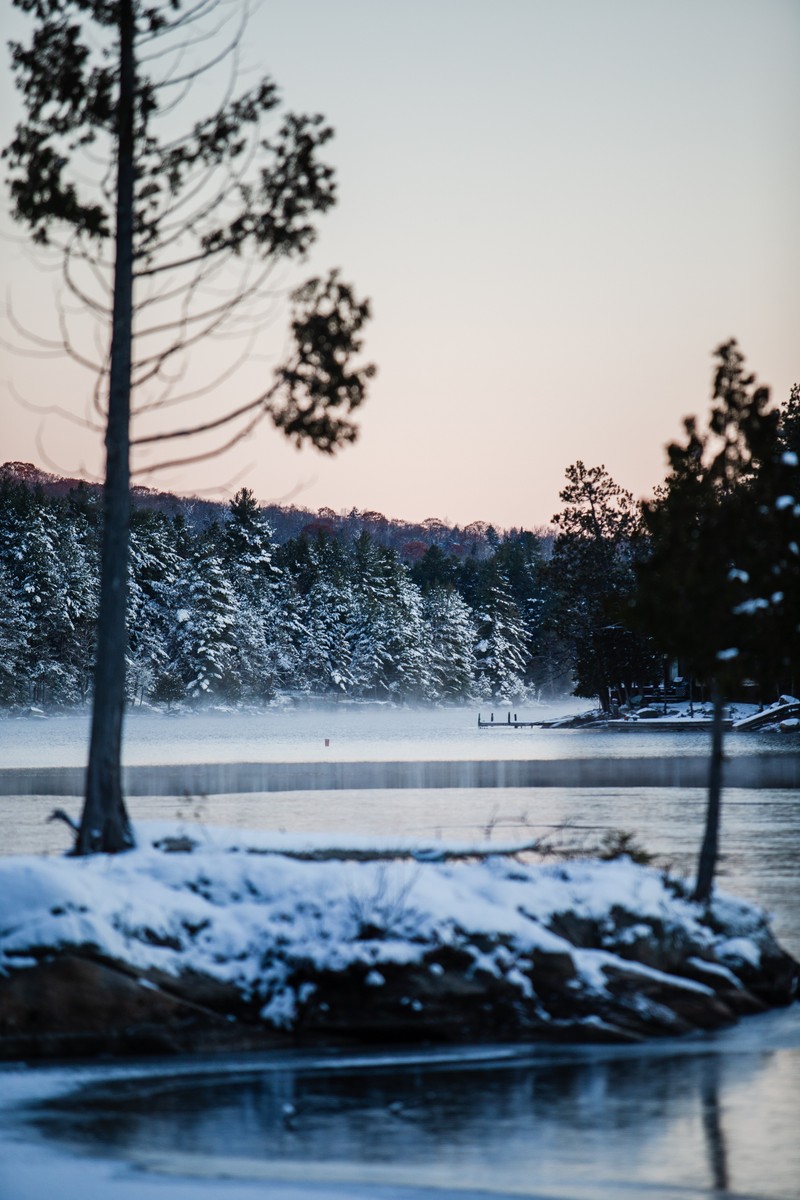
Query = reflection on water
x=706 y=1116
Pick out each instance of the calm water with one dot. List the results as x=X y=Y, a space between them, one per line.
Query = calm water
x=709 y=1116
x=353 y=733
x=712 y=1116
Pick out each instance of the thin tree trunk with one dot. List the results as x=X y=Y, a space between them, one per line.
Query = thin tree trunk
x=105 y=826
x=707 y=862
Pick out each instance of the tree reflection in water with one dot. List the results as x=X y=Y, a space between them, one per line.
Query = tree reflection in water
x=651 y=1115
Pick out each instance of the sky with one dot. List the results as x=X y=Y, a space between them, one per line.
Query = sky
x=558 y=209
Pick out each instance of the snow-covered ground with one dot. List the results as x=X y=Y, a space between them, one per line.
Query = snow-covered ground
x=246 y=909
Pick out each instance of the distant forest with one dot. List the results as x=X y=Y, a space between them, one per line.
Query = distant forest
x=241 y=603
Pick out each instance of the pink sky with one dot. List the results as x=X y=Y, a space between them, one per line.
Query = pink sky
x=558 y=210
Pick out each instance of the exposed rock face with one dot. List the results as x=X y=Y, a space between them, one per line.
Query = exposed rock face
x=73 y=1005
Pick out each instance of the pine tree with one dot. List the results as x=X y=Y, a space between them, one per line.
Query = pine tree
x=451 y=633
x=501 y=655
x=705 y=532
x=203 y=642
x=593 y=581
x=390 y=652
x=156 y=566
x=166 y=215
x=16 y=628
x=329 y=650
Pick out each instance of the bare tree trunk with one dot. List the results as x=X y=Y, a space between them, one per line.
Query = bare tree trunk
x=105 y=826
x=707 y=862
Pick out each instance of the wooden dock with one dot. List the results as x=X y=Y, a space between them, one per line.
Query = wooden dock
x=508 y=723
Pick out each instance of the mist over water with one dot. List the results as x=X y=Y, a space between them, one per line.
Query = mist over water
x=354 y=733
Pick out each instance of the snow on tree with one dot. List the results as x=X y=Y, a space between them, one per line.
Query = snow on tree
x=451 y=633
x=78 y=558
x=331 y=619
x=16 y=628
x=203 y=642
x=155 y=569
x=501 y=640
x=31 y=552
x=247 y=547
x=390 y=648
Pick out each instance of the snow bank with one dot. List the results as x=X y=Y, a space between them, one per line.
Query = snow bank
x=335 y=945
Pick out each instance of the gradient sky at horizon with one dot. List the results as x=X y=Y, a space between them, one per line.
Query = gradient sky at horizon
x=559 y=210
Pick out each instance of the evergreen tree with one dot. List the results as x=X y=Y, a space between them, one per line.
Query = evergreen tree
x=162 y=222
x=389 y=635
x=16 y=628
x=435 y=569
x=30 y=551
x=79 y=569
x=156 y=565
x=705 y=532
x=247 y=547
x=501 y=655
x=593 y=581
x=451 y=634
x=203 y=642
x=789 y=427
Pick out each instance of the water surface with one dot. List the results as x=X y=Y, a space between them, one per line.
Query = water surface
x=709 y=1116
x=353 y=733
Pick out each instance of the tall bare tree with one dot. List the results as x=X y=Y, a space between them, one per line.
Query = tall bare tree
x=169 y=232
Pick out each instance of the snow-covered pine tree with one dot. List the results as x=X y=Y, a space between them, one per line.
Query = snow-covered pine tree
x=78 y=554
x=156 y=565
x=501 y=644
x=451 y=632
x=16 y=628
x=203 y=641
x=390 y=645
x=331 y=619
x=29 y=548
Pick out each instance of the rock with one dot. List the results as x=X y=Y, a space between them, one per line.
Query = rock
x=72 y=1007
x=666 y=1004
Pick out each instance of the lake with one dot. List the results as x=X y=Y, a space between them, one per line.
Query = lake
x=713 y=1115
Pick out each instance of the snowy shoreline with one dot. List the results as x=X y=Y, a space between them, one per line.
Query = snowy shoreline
x=232 y=939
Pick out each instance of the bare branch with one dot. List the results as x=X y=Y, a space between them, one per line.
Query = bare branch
x=204 y=457
x=46 y=410
x=168 y=401
x=49 y=346
x=206 y=426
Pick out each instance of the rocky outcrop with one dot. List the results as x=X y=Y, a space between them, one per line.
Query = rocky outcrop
x=234 y=943
x=76 y=1005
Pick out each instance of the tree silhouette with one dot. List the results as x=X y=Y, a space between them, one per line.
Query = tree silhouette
x=706 y=528
x=169 y=240
x=592 y=573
